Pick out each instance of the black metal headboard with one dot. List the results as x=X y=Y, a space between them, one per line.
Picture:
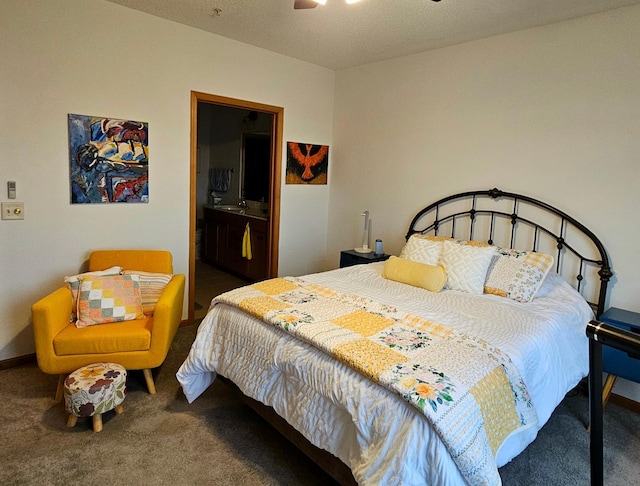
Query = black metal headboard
x=516 y=221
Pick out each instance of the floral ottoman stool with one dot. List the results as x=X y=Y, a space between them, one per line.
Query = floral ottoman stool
x=94 y=389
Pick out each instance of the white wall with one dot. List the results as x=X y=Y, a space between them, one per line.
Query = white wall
x=96 y=58
x=551 y=112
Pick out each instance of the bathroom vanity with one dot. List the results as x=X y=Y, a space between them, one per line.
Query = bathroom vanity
x=222 y=240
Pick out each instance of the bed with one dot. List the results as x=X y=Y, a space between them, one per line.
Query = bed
x=384 y=382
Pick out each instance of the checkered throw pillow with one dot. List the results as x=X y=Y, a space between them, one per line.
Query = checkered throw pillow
x=73 y=282
x=105 y=299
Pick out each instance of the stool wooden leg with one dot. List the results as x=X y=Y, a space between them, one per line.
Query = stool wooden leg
x=97 y=422
x=119 y=409
x=149 y=379
x=60 y=389
x=607 y=388
x=71 y=420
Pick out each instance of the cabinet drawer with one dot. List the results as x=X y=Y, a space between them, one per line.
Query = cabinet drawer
x=222 y=246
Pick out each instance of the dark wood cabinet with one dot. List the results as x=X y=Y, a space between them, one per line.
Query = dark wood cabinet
x=222 y=243
x=214 y=237
x=257 y=266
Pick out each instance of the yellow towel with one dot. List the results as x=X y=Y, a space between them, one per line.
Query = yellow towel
x=246 y=243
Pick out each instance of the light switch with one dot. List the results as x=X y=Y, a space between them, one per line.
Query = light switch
x=11 y=189
x=12 y=210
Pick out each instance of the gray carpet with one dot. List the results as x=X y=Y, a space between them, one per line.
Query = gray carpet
x=218 y=440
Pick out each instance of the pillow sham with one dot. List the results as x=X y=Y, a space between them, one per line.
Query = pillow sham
x=73 y=282
x=151 y=287
x=422 y=249
x=516 y=274
x=456 y=240
x=417 y=274
x=106 y=299
x=466 y=265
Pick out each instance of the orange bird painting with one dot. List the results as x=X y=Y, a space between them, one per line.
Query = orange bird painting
x=307 y=163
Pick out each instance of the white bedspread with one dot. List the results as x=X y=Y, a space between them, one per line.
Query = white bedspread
x=381 y=438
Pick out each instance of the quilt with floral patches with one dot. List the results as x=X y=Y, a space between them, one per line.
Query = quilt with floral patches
x=471 y=392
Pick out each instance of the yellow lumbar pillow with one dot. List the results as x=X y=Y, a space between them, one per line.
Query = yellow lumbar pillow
x=429 y=277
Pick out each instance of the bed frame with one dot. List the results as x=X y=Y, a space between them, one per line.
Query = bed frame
x=499 y=218
x=580 y=257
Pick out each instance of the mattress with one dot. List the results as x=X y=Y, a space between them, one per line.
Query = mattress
x=371 y=429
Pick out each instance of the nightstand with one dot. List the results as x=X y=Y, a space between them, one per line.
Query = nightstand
x=615 y=362
x=352 y=257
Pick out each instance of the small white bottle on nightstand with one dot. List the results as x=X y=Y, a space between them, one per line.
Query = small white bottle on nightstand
x=378 y=250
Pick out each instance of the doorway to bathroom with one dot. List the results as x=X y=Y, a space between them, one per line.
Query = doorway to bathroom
x=225 y=135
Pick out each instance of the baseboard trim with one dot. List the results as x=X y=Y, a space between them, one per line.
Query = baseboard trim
x=624 y=402
x=5 y=364
x=619 y=400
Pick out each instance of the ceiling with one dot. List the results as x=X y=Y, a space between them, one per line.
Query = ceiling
x=338 y=35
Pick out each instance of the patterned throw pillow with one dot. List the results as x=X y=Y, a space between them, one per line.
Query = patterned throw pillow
x=466 y=265
x=516 y=274
x=456 y=240
x=151 y=287
x=422 y=249
x=105 y=299
x=73 y=282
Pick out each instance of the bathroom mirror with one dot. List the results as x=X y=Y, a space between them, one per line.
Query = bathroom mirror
x=256 y=162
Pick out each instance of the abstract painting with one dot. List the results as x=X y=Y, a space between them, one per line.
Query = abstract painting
x=109 y=160
x=307 y=163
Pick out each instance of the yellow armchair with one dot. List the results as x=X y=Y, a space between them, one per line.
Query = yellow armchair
x=141 y=344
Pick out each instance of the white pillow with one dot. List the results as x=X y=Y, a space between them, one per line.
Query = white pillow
x=422 y=249
x=466 y=266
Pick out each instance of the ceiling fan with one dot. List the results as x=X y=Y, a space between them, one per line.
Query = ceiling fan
x=302 y=4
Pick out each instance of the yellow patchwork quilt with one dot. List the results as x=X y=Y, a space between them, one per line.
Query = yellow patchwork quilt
x=471 y=392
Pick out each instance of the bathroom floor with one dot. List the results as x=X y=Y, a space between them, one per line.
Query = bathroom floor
x=211 y=282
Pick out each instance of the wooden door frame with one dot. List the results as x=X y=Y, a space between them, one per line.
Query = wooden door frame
x=274 y=188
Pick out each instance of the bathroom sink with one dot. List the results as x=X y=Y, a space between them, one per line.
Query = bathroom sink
x=235 y=209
